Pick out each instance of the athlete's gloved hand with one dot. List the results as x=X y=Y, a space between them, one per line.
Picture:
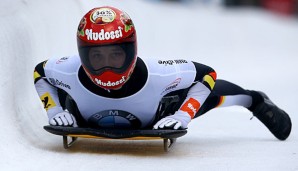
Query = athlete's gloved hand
x=179 y=120
x=63 y=119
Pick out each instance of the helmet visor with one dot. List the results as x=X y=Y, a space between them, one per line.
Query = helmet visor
x=98 y=59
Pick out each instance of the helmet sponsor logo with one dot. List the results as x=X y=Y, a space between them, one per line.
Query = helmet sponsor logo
x=102 y=35
x=103 y=16
x=109 y=83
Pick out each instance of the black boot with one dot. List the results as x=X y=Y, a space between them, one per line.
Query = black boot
x=274 y=118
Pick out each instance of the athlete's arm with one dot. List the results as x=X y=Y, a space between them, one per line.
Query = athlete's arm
x=199 y=91
x=196 y=96
x=49 y=97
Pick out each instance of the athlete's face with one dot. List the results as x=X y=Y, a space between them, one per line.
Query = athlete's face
x=107 y=56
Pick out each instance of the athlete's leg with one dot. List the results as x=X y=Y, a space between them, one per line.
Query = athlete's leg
x=228 y=94
x=223 y=94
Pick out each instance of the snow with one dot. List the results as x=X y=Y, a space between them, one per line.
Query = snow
x=253 y=48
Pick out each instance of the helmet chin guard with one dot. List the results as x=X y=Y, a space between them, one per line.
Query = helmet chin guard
x=110 y=79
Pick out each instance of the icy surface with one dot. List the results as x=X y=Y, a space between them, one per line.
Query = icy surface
x=253 y=48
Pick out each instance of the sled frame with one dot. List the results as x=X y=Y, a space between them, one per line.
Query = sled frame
x=168 y=143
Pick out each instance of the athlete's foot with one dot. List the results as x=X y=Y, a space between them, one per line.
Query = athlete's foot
x=274 y=118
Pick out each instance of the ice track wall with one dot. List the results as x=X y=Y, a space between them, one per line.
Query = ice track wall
x=30 y=32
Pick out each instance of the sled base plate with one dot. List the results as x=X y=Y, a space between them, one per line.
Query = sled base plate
x=71 y=134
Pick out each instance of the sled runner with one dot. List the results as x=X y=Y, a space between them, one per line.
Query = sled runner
x=168 y=136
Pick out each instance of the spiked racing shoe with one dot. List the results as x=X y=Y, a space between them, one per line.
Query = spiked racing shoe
x=274 y=118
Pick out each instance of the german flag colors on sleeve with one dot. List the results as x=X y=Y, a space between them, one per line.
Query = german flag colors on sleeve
x=209 y=80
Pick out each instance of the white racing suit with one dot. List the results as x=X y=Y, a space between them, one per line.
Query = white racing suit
x=136 y=104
